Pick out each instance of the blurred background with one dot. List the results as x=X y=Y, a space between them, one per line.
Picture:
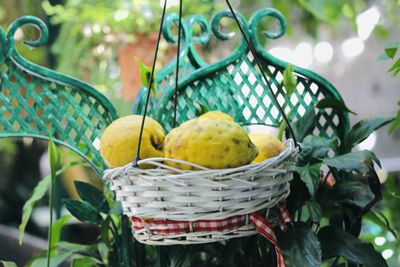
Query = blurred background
x=97 y=41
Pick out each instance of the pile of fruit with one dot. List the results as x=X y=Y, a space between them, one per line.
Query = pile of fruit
x=212 y=140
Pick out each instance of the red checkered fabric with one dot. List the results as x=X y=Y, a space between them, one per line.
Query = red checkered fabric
x=283 y=216
x=160 y=227
x=262 y=226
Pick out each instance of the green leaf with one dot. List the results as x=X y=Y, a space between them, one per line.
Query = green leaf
x=353 y=161
x=336 y=242
x=56 y=259
x=300 y=246
x=103 y=251
x=104 y=229
x=380 y=219
x=85 y=261
x=92 y=195
x=314 y=210
x=305 y=125
x=315 y=147
x=38 y=193
x=361 y=130
x=350 y=192
x=83 y=211
x=54 y=157
x=116 y=208
x=57 y=227
x=391 y=49
x=331 y=102
x=8 y=264
x=145 y=74
x=310 y=175
x=289 y=80
x=396 y=124
x=395 y=69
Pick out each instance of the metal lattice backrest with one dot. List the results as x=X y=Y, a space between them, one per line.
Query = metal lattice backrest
x=189 y=61
x=34 y=100
x=233 y=85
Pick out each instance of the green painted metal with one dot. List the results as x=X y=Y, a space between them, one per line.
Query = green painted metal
x=233 y=85
x=35 y=100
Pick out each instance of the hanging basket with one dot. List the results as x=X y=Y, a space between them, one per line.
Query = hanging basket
x=193 y=201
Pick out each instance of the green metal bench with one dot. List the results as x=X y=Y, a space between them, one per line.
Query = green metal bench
x=233 y=85
x=35 y=100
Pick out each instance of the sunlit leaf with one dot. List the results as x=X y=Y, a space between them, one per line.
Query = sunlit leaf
x=8 y=264
x=289 y=80
x=38 y=193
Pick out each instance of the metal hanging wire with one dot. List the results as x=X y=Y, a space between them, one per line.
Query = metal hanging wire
x=151 y=81
x=266 y=81
x=177 y=70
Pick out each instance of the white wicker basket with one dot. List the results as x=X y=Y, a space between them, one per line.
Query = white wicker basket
x=166 y=193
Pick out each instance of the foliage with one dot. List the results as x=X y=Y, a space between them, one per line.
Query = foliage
x=390 y=54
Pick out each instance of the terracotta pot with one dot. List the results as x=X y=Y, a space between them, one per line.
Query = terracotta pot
x=143 y=48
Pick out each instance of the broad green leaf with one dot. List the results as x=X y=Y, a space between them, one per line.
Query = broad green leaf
x=336 y=242
x=314 y=147
x=305 y=125
x=60 y=252
x=145 y=74
x=92 y=195
x=314 y=210
x=71 y=247
x=57 y=227
x=103 y=251
x=391 y=49
x=350 y=192
x=310 y=175
x=353 y=161
x=300 y=246
x=396 y=124
x=8 y=264
x=289 y=80
x=395 y=69
x=380 y=219
x=86 y=262
x=56 y=259
x=83 y=211
x=331 y=102
x=361 y=130
x=38 y=193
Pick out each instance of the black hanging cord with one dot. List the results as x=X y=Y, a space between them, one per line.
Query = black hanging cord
x=253 y=52
x=136 y=159
x=177 y=62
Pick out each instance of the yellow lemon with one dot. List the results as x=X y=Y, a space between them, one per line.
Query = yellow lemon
x=268 y=146
x=119 y=141
x=215 y=144
x=216 y=115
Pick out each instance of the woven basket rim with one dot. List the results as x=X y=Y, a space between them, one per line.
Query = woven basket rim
x=288 y=152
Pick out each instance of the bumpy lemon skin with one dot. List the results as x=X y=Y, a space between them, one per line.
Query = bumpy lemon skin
x=210 y=143
x=119 y=141
x=216 y=115
x=268 y=146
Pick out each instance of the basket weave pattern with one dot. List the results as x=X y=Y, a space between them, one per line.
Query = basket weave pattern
x=166 y=193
